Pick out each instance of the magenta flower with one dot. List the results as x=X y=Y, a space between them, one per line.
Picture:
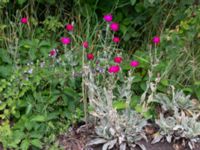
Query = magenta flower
x=53 y=53
x=156 y=39
x=85 y=44
x=116 y=39
x=118 y=59
x=24 y=20
x=108 y=18
x=134 y=63
x=65 y=40
x=114 y=69
x=69 y=27
x=90 y=56
x=114 y=26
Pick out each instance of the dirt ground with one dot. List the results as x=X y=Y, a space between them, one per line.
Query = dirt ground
x=77 y=138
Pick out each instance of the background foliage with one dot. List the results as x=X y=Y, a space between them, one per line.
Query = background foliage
x=40 y=97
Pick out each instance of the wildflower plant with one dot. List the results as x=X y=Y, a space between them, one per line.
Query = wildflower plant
x=182 y=111
x=183 y=123
x=116 y=128
x=103 y=89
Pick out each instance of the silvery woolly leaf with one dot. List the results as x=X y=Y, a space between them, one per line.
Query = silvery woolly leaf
x=156 y=138
x=143 y=135
x=191 y=145
x=169 y=138
x=96 y=141
x=142 y=146
x=178 y=127
x=152 y=87
x=132 y=146
x=109 y=144
x=112 y=131
x=122 y=146
x=121 y=139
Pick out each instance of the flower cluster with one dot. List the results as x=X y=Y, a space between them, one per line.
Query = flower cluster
x=114 y=26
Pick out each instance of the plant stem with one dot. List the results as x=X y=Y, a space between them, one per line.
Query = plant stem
x=83 y=87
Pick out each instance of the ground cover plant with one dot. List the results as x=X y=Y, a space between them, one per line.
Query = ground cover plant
x=58 y=71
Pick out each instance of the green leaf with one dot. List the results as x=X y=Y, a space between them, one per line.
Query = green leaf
x=86 y=10
x=165 y=82
x=25 y=144
x=137 y=79
x=20 y=2
x=18 y=135
x=38 y=118
x=138 y=108
x=53 y=115
x=29 y=108
x=143 y=86
x=134 y=101
x=36 y=143
x=139 y=7
x=51 y=2
x=28 y=125
x=147 y=114
x=120 y=104
x=6 y=70
x=70 y=92
x=197 y=92
x=133 y=2
x=197 y=83
x=5 y=56
x=187 y=90
x=35 y=135
x=151 y=1
x=2 y=106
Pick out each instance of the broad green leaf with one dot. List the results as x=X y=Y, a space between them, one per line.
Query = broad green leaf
x=151 y=1
x=137 y=79
x=25 y=144
x=138 y=108
x=197 y=83
x=139 y=7
x=120 y=104
x=51 y=2
x=53 y=115
x=2 y=105
x=29 y=108
x=69 y=91
x=20 y=2
x=28 y=125
x=197 y=92
x=6 y=70
x=35 y=135
x=18 y=135
x=38 y=118
x=187 y=90
x=164 y=82
x=37 y=143
x=5 y=56
x=134 y=101
x=133 y=2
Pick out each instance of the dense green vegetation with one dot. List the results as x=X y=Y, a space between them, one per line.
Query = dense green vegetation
x=53 y=76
